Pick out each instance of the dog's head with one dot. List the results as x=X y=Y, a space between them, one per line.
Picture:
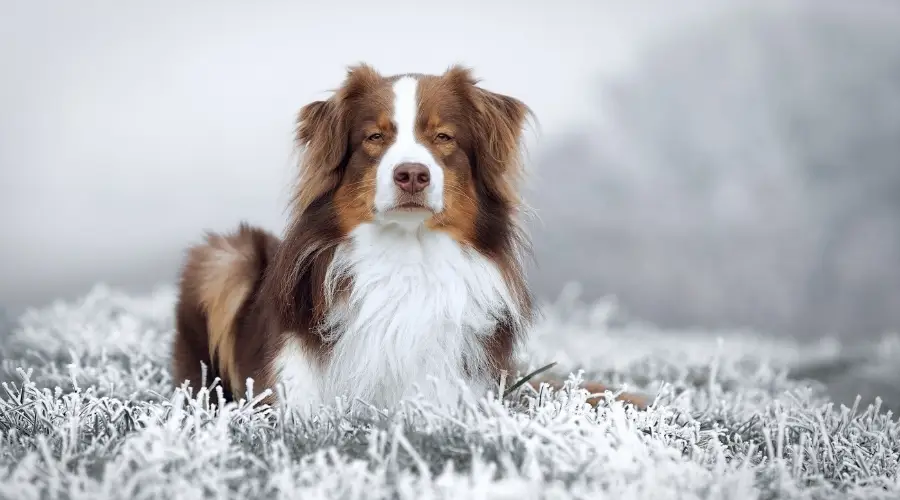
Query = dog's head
x=412 y=149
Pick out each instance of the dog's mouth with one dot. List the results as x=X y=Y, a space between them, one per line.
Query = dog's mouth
x=407 y=209
x=411 y=213
x=410 y=206
x=410 y=203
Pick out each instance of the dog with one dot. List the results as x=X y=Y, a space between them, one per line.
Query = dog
x=401 y=271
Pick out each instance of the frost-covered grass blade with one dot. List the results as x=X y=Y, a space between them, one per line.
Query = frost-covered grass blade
x=88 y=410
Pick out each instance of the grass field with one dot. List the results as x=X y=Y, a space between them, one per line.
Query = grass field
x=87 y=411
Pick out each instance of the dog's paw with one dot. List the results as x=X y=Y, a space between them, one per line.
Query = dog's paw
x=597 y=390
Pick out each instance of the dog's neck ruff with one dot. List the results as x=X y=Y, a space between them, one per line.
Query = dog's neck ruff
x=414 y=320
x=419 y=308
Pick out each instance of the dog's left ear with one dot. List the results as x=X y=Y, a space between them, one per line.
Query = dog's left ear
x=499 y=125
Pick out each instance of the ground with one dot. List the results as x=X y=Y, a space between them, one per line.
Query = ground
x=88 y=411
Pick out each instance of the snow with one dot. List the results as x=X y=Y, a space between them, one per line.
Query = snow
x=88 y=411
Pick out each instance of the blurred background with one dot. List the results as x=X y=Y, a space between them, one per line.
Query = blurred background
x=719 y=164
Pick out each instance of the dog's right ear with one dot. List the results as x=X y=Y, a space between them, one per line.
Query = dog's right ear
x=322 y=138
x=323 y=135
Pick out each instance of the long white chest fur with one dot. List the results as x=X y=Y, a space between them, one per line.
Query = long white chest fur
x=418 y=310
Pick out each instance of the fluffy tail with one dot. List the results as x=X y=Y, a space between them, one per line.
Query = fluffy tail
x=217 y=281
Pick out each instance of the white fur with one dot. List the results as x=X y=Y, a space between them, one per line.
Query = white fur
x=407 y=149
x=299 y=377
x=419 y=306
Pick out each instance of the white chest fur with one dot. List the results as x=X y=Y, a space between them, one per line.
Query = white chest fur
x=419 y=308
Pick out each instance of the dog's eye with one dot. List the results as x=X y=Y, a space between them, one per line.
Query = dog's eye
x=442 y=137
x=375 y=137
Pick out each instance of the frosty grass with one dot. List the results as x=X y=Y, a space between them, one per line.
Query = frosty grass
x=87 y=411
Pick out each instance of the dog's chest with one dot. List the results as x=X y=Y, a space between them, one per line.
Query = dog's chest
x=416 y=317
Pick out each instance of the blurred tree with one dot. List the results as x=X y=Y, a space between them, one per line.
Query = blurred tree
x=745 y=173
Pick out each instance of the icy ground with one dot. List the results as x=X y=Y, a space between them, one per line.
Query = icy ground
x=87 y=411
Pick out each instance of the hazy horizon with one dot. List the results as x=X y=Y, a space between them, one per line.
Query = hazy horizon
x=722 y=164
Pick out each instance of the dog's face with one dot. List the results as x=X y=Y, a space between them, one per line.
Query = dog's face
x=412 y=150
x=410 y=146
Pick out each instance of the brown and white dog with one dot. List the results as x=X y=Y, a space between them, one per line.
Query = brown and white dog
x=402 y=267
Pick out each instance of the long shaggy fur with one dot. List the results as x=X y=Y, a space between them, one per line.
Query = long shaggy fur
x=364 y=299
x=218 y=278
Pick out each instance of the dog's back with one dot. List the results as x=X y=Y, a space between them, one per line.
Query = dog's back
x=218 y=280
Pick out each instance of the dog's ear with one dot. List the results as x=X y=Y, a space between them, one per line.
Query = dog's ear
x=323 y=134
x=322 y=138
x=499 y=123
x=323 y=129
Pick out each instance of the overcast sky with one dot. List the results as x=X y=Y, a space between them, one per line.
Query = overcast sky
x=128 y=127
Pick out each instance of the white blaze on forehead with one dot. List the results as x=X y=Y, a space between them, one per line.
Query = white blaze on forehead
x=407 y=149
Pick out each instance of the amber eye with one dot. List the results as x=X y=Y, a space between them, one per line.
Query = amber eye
x=375 y=137
x=442 y=137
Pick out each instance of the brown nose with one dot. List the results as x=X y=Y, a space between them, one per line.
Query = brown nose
x=411 y=177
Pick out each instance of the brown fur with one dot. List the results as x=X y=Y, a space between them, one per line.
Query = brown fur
x=481 y=199
x=244 y=294
x=217 y=280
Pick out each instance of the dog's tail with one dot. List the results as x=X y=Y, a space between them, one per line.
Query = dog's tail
x=217 y=281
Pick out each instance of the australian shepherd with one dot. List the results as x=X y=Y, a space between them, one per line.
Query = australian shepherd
x=401 y=270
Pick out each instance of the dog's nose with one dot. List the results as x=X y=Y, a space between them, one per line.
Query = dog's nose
x=411 y=177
